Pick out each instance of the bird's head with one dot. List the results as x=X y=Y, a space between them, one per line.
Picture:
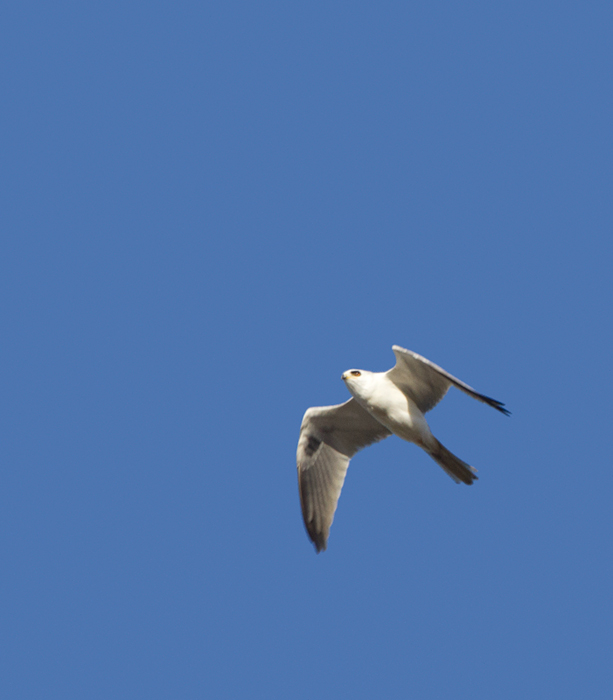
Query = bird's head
x=358 y=381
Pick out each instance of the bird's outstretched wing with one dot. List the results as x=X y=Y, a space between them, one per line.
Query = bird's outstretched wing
x=427 y=383
x=329 y=437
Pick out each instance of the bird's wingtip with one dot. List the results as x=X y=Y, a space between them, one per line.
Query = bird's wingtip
x=502 y=409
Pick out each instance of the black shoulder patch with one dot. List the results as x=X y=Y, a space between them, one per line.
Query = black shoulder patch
x=312 y=446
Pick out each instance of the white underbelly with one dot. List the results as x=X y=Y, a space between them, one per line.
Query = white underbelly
x=404 y=419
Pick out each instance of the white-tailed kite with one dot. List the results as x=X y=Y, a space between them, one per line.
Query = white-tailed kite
x=383 y=403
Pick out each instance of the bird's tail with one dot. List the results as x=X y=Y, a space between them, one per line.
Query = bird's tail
x=458 y=470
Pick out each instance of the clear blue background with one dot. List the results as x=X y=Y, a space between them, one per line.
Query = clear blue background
x=208 y=212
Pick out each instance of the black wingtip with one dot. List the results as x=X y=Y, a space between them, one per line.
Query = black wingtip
x=499 y=406
x=319 y=543
x=319 y=540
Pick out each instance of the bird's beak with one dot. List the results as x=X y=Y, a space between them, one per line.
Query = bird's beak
x=344 y=376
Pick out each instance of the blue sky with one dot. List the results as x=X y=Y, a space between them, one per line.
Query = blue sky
x=209 y=212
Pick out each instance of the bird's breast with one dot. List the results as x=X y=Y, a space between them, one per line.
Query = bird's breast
x=398 y=413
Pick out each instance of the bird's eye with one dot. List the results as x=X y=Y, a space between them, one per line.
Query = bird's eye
x=355 y=373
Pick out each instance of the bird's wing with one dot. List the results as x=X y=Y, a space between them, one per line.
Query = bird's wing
x=427 y=383
x=329 y=437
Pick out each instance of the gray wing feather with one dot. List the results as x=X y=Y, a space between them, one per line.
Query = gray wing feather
x=427 y=383
x=329 y=437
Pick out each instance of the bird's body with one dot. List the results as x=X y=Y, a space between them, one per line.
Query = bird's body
x=383 y=403
x=378 y=394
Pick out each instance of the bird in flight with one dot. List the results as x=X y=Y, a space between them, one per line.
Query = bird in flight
x=383 y=403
